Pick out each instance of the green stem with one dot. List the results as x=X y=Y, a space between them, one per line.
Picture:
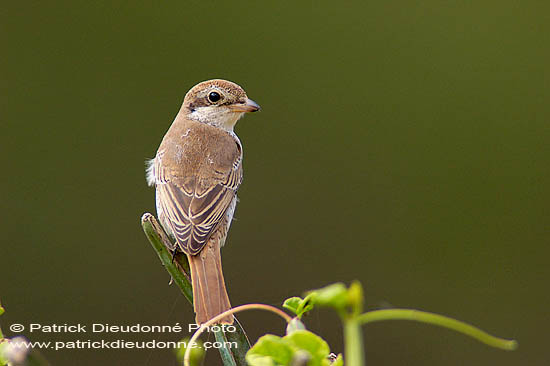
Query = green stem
x=353 y=340
x=436 y=319
x=178 y=268
x=233 y=355
x=160 y=242
x=243 y=343
x=225 y=353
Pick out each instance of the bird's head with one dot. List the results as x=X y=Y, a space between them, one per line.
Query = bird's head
x=217 y=102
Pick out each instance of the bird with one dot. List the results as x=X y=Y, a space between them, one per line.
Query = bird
x=196 y=173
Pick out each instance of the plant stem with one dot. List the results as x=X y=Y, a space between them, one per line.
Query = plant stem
x=225 y=353
x=353 y=340
x=178 y=267
x=243 y=343
x=160 y=242
x=443 y=321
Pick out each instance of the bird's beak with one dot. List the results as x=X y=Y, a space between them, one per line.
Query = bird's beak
x=248 y=106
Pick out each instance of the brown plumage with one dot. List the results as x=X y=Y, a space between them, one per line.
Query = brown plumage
x=197 y=171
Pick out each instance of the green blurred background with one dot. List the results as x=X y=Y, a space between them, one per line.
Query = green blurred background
x=401 y=143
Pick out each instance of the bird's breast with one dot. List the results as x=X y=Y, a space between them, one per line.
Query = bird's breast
x=195 y=149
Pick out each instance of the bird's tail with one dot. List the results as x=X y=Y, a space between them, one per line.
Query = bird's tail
x=209 y=293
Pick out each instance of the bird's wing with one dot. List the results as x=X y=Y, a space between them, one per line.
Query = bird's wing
x=193 y=206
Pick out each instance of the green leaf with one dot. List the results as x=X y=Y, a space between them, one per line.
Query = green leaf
x=295 y=348
x=310 y=342
x=298 y=306
x=335 y=296
x=260 y=361
x=292 y=304
x=270 y=350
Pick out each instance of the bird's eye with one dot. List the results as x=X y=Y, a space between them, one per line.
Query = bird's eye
x=214 y=97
